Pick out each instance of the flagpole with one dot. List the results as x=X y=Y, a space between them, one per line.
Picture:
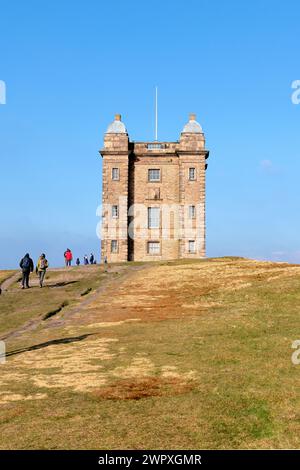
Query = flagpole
x=156 y=113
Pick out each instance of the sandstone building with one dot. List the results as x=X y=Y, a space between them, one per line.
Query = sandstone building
x=153 y=195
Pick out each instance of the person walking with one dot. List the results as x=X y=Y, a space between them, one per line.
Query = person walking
x=77 y=262
x=85 y=260
x=41 y=268
x=26 y=264
x=68 y=257
x=105 y=264
x=92 y=258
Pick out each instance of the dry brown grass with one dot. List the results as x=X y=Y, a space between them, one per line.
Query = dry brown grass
x=177 y=290
x=146 y=387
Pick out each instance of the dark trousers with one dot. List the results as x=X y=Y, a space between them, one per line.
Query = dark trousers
x=25 y=278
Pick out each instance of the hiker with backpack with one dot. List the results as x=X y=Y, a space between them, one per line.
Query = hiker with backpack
x=41 y=268
x=26 y=264
x=68 y=257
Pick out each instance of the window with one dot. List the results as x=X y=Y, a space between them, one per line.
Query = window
x=114 y=246
x=192 y=248
x=153 y=248
x=153 y=175
x=155 y=146
x=115 y=212
x=192 y=174
x=192 y=212
x=153 y=217
x=154 y=193
x=115 y=174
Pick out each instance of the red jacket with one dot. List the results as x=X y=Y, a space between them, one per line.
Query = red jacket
x=68 y=255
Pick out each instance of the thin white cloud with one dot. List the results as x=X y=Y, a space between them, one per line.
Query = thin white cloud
x=267 y=166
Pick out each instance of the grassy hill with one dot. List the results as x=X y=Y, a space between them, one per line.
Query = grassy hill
x=183 y=354
x=4 y=275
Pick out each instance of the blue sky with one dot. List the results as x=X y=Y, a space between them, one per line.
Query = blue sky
x=70 y=66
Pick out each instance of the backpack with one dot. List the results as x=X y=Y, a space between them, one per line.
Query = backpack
x=26 y=264
x=43 y=263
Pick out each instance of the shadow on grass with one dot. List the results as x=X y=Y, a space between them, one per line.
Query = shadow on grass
x=61 y=284
x=56 y=310
x=86 y=292
x=73 y=339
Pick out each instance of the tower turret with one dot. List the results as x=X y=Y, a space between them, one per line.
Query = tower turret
x=114 y=243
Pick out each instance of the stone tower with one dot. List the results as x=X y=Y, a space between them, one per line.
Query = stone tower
x=153 y=195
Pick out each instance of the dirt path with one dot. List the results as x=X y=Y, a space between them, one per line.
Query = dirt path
x=8 y=282
x=67 y=314
x=70 y=314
